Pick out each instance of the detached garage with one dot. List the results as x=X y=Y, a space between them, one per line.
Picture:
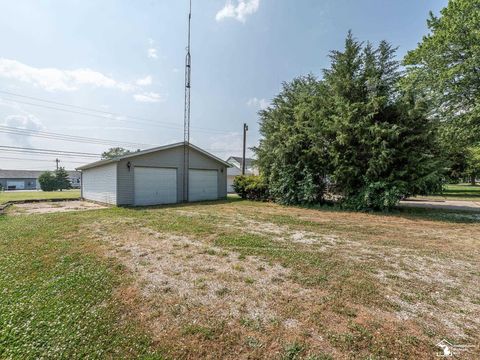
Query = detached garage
x=154 y=177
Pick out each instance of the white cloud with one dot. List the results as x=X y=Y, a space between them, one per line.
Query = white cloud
x=147 y=80
x=53 y=79
x=239 y=12
x=152 y=53
x=148 y=97
x=23 y=121
x=261 y=104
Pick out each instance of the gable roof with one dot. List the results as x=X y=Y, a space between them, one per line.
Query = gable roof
x=248 y=161
x=149 y=151
x=29 y=174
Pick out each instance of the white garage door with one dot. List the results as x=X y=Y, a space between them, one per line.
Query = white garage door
x=100 y=184
x=154 y=186
x=15 y=185
x=203 y=185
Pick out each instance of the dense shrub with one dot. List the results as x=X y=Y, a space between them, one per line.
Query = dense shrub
x=375 y=196
x=357 y=130
x=48 y=181
x=57 y=180
x=251 y=187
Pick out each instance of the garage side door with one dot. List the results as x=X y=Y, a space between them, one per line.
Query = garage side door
x=203 y=185
x=155 y=186
x=100 y=184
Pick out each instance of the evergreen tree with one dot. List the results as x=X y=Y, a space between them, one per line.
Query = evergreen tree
x=62 y=180
x=292 y=153
x=356 y=130
x=382 y=144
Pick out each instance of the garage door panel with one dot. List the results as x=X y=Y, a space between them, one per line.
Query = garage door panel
x=100 y=184
x=155 y=186
x=203 y=185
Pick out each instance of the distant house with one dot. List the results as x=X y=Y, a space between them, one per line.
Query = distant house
x=28 y=179
x=236 y=170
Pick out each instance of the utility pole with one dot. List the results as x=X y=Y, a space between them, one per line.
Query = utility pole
x=57 y=161
x=186 y=115
x=245 y=129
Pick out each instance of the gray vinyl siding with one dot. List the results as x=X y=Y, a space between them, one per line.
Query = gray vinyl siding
x=169 y=158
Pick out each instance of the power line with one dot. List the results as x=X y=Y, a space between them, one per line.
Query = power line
x=48 y=151
x=57 y=136
x=106 y=114
x=40 y=160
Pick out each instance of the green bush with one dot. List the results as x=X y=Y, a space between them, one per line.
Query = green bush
x=48 y=181
x=57 y=180
x=379 y=196
x=251 y=187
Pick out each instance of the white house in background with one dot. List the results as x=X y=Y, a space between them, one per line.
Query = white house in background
x=236 y=170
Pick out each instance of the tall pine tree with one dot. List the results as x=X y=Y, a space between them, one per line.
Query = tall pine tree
x=356 y=130
x=382 y=144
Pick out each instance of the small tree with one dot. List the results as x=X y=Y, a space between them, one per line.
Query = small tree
x=63 y=182
x=114 y=152
x=48 y=181
x=473 y=164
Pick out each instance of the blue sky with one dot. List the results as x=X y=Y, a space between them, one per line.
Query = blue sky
x=127 y=57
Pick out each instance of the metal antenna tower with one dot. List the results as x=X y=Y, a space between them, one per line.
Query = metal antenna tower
x=186 y=115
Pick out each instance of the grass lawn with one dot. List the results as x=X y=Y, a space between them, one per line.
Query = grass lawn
x=464 y=192
x=38 y=195
x=238 y=279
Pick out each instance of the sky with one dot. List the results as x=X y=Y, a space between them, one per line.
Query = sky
x=114 y=69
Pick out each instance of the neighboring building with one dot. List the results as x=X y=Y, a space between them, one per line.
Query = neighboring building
x=155 y=176
x=28 y=179
x=236 y=170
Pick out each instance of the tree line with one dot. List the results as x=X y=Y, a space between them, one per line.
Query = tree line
x=53 y=181
x=373 y=129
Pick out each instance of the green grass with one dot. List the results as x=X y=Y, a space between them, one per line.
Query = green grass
x=60 y=296
x=58 y=299
x=37 y=195
x=464 y=192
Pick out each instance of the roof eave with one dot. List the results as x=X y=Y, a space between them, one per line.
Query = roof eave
x=149 y=151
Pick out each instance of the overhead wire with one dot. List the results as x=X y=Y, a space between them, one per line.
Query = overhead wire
x=105 y=114
x=18 y=149
x=39 y=160
x=64 y=137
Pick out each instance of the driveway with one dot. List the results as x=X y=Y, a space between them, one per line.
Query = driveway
x=443 y=204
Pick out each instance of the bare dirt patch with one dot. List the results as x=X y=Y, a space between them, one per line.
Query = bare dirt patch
x=437 y=289
x=53 y=207
x=194 y=292
x=349 y=283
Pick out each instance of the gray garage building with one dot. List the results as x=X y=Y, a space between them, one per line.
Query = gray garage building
x=155 y=176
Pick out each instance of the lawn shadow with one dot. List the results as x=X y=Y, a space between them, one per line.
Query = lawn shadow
x=443 y=215
x=228 y=200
